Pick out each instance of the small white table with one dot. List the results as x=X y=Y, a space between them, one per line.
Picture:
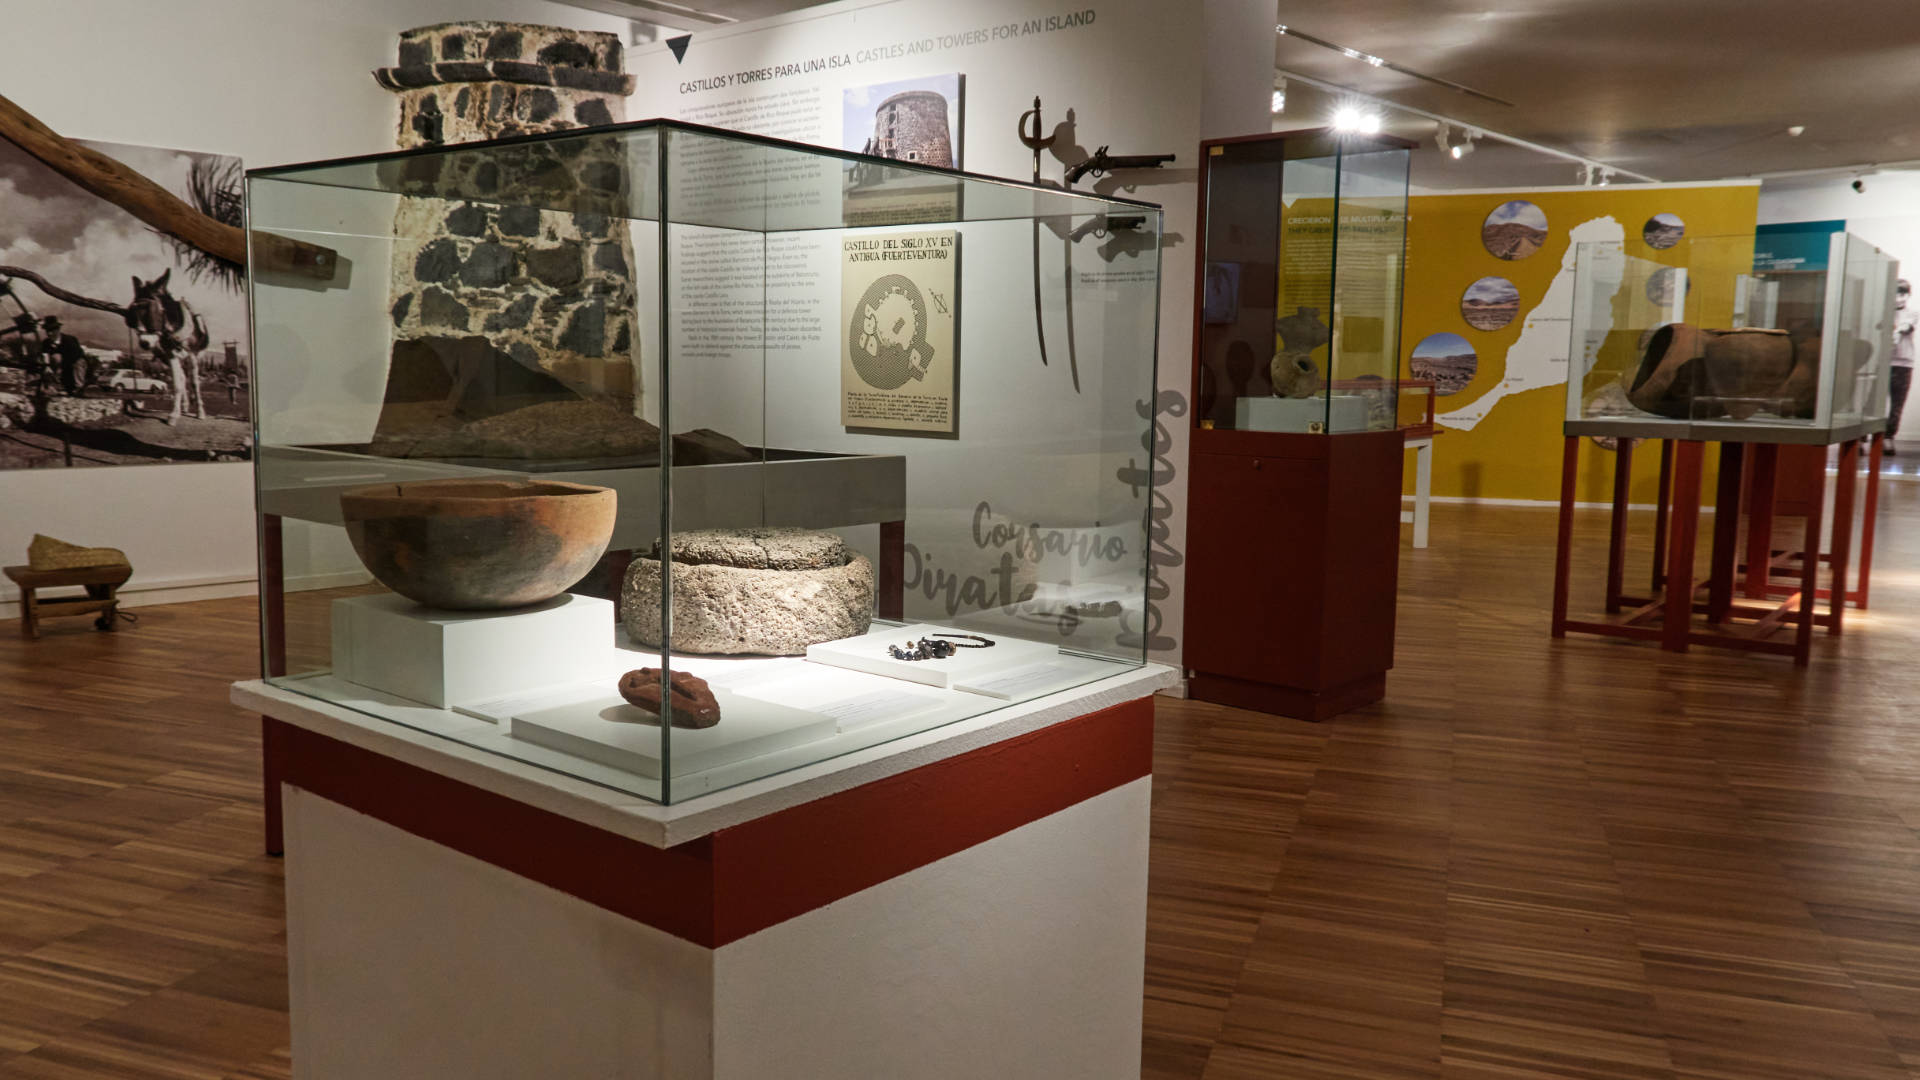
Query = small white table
x=1422 y=488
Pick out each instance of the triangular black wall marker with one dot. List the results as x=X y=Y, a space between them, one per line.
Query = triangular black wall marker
x=679 y=46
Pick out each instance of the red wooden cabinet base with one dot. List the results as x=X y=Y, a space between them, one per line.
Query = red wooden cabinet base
x=1293 y=548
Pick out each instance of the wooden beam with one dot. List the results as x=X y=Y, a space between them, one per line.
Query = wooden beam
x=121 y=186
x=156 y=206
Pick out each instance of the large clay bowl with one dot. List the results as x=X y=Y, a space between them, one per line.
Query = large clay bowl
x=1664 y=384
x=476 y=545
x=1747 y=368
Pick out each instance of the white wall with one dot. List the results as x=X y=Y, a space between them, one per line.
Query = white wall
x=273 y=81
x=1142 y=75
x=1886 y=215
x=1831 y=197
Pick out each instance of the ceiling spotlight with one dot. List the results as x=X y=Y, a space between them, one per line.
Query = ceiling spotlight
x=1797 y=130
x=1454 y=142
x=1279 y=96
x=1352 y=118
x=1859 y=185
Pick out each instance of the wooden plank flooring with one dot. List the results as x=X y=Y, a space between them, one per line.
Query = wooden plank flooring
x=1579 y=860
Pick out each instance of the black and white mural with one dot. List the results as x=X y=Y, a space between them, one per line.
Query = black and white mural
x=118 y=345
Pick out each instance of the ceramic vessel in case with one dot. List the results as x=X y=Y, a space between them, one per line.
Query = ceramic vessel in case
x=468 y=545
x=622 y=306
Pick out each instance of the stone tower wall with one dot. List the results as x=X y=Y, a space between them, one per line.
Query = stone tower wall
x=912 y=126
x=533 y=257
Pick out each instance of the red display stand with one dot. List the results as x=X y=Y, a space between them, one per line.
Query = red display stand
x=1293 y=546
x=1800 y=477
x=1684 y=611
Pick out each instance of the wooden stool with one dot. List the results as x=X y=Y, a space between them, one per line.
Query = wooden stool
x=101 y=582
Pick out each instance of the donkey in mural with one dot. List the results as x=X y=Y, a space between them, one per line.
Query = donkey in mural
x=169 y=329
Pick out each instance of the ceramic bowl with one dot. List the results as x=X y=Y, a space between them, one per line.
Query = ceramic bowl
x=477 y=545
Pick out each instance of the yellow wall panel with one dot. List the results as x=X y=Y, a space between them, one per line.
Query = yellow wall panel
x=1505 y=440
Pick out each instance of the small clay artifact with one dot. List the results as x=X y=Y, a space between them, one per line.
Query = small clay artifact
x=476 y=545
x=1292 y=370
x=691 y=698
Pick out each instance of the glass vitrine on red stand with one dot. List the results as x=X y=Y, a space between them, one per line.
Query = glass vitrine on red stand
x=1294 y=503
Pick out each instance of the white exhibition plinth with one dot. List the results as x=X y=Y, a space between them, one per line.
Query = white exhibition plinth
x=1341 y=412
x=921 y=908
x=448 y=658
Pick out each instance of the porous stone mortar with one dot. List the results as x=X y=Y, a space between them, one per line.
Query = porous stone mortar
x=766 y=591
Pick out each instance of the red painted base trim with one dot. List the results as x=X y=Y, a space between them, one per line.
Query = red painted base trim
x=1287 y=700
x=742 y=880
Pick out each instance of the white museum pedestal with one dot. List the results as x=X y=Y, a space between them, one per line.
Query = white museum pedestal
x=446 y=658
x=1343 y=412
x=962 y=902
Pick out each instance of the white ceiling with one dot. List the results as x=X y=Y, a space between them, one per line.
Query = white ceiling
x=1686 y=90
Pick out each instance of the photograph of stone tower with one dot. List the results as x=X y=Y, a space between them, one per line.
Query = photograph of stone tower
x=917 y=120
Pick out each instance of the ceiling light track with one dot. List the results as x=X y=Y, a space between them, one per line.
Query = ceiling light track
x=1375 y=61
x=1348 y=92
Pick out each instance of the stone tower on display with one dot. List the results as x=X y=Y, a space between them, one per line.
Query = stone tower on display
x=512 y=290
x=912 y=126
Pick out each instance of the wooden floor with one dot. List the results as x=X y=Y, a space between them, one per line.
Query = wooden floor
x=1581 y=860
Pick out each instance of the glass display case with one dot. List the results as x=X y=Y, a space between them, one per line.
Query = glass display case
x=670 y=458
x=1304 y=240
x=1292 y=536
x=1712 y=340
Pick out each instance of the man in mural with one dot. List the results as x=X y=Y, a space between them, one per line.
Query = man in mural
x=1900 y=379
x=64 y=356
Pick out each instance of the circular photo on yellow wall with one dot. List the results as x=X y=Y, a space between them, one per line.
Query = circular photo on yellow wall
x=1447 y=359
x=1514 y=230
x=1663 y=286
x=1662 y=231
x=1490 y=303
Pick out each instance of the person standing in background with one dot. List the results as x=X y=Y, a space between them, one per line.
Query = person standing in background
x=1900 y=379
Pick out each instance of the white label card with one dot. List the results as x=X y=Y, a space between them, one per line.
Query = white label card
x=857 y=712
x=1022 y=683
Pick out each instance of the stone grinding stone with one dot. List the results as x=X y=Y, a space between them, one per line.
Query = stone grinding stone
x=764 y=591
x=759 y=549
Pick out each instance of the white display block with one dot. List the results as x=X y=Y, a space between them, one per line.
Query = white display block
x=1019 y=957
x=449 y=658
x=868 y=653
x=600 y=726
x=1349 y=413
x=1021 y=684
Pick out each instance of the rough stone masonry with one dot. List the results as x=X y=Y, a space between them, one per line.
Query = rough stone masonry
x=512 y=283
